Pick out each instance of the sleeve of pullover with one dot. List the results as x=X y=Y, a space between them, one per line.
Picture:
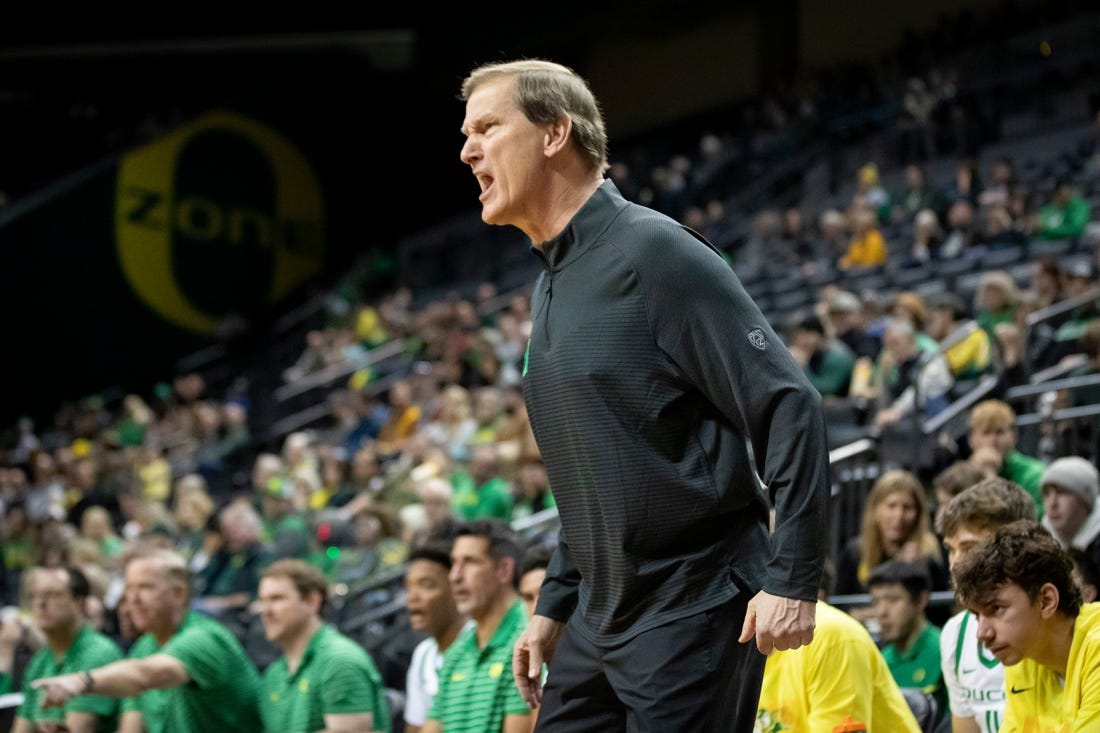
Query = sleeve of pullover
x=717 y=339
x=558 y=596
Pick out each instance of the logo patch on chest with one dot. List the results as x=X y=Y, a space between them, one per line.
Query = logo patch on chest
x=756 y=338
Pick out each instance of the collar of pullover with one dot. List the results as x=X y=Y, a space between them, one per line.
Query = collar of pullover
x=585 y=228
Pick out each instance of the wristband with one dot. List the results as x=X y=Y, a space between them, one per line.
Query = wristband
x=89 y=681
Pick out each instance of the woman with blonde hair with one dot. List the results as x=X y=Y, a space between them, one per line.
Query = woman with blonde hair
x=995 y=300
x=896 y=526
x=191 y=511
x=453 y=426
x=96 y=525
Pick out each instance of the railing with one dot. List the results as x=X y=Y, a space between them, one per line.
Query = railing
x=957 y=410
x=917 y=435
x=938 y=598
x=367 y=611
x=502 y=301
x=1063 y=306
x=1070 y=431
x=323 y=409
x=1068 y=383
x=1054 y=310
x=330 y=375
x=854 y=469
x=1065 y=366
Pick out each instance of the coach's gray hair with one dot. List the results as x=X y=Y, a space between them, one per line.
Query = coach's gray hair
x=546 y=91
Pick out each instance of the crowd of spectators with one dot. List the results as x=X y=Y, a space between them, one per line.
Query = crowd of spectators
x=412 y=456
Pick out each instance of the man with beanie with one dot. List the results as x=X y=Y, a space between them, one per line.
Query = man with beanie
x=1070 y=486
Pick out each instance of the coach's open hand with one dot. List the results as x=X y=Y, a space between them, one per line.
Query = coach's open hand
x=534 y=646
x=778 y=623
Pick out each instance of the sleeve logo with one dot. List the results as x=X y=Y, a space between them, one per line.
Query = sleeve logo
x=756 y=338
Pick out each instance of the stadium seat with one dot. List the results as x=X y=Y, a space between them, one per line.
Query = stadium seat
x=908 y=277
x=1003 y=257
x=966 y=286
x=757 y=289
x=1052 y=248
x=867 y=280
x=788 y=284
x=1021 y=273
x=952 y=268
x=931 y=287
x=793 y=299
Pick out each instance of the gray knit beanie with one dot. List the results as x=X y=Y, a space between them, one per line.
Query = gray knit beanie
x=1075 y=474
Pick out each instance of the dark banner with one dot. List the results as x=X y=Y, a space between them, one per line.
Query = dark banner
x=111 y=276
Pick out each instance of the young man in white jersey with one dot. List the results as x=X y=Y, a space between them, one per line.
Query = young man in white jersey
x=431 y=609
x=973 y=676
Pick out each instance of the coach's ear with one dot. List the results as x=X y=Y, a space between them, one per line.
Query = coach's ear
x=1048 y=600
x=556 y=136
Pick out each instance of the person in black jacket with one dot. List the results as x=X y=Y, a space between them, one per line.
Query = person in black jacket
x=648 y=376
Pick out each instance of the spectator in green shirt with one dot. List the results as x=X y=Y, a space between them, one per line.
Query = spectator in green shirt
x=1077 y=279
x=993 y=448
x=482 y=493
x=995 y=300
x=58 y=597
x=899 y=600
x=229 y=581
x=1066 y=215
x=533 y=493
x=286 y=532
x=827 y=362
x=324 y=680
x=211 y=683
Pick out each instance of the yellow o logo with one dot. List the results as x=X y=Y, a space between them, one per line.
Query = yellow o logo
x=154 y=214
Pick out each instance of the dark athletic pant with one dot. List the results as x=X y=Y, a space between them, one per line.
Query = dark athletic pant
x=688 y=676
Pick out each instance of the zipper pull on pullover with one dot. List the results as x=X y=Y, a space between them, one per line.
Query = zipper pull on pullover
x=546 y=307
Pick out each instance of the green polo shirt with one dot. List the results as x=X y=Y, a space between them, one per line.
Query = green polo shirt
x=1026 y=471
x=223 y=694
x=476 y=688
x=831 y=372
x=289 y=537
x=919 y=665
x=152 y=704
x=90 y=649
x=335 y=677
x=493 y=499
